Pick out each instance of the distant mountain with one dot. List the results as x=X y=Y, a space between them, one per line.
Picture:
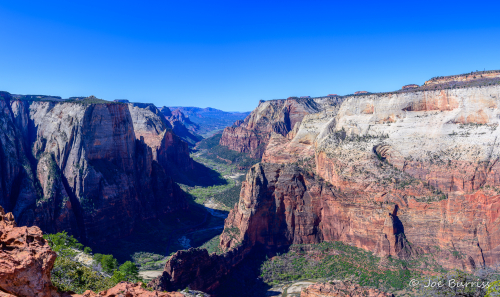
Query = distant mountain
x=181 y=125
x=210 y=120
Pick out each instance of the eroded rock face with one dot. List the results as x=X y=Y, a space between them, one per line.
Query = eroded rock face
x=80 y=168
x=341 y=289
x=392 y=175
x=25 y=260
x=278 y=116
x=196 y=269
x=168 y=148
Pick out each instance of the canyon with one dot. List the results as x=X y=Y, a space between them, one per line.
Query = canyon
x=410 y=174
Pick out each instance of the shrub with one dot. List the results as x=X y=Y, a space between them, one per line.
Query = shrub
x=68 y=275
x=108 y=262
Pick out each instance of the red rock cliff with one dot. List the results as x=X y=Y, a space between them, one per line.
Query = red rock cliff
x=79 y=168
x=279 y=116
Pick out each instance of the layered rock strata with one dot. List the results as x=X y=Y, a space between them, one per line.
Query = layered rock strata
x=168 y=148
x=406 y=175
x=278 y=116
x=79 y=167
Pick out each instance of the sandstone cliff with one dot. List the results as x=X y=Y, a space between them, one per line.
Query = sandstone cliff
x=79 y=167
x=168 y=148
x=409 y=174
x=405 y=174
x=278 y=116
x=181 y=125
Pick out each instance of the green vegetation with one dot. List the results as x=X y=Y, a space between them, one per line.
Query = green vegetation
x=219 y=153
x=69 y=274
x=212 y=246
x=340 y=261
x=227 y=194
x=91 y=100
x=229 y=164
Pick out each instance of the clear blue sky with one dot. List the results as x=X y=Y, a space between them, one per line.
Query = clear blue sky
x=230 y=54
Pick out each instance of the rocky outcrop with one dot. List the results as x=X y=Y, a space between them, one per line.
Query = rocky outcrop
x=278 y=116
x=125 y=289
x=25 y=260
x=79 y=167
x=197 y=270
x=341 y=289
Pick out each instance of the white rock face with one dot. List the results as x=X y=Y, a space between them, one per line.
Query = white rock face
x=418 y=132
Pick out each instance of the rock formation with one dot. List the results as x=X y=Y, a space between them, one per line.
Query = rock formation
x=463 y=77
x=77 y=166
x=278 y=116
x=341 y=289
x=407 y=174
x=168 y=147
x=181 y=125
x=196 y=269
x=25 y=260
x=417 y=175
x=125 y=289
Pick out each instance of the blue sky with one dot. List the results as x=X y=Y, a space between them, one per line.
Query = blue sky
x=231 y=54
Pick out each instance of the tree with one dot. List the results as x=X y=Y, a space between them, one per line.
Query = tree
x=127 y=272
x=108 y=262
x=130 y=269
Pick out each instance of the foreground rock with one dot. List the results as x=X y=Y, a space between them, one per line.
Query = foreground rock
x=196 y=269
x=125 y=289
x=25 y=260
x=341 y=289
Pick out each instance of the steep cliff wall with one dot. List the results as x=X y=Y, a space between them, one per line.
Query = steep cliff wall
x=278 y=116
x=405 y=174
x=411 y=174
x=168 y=148
x=79 y=167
